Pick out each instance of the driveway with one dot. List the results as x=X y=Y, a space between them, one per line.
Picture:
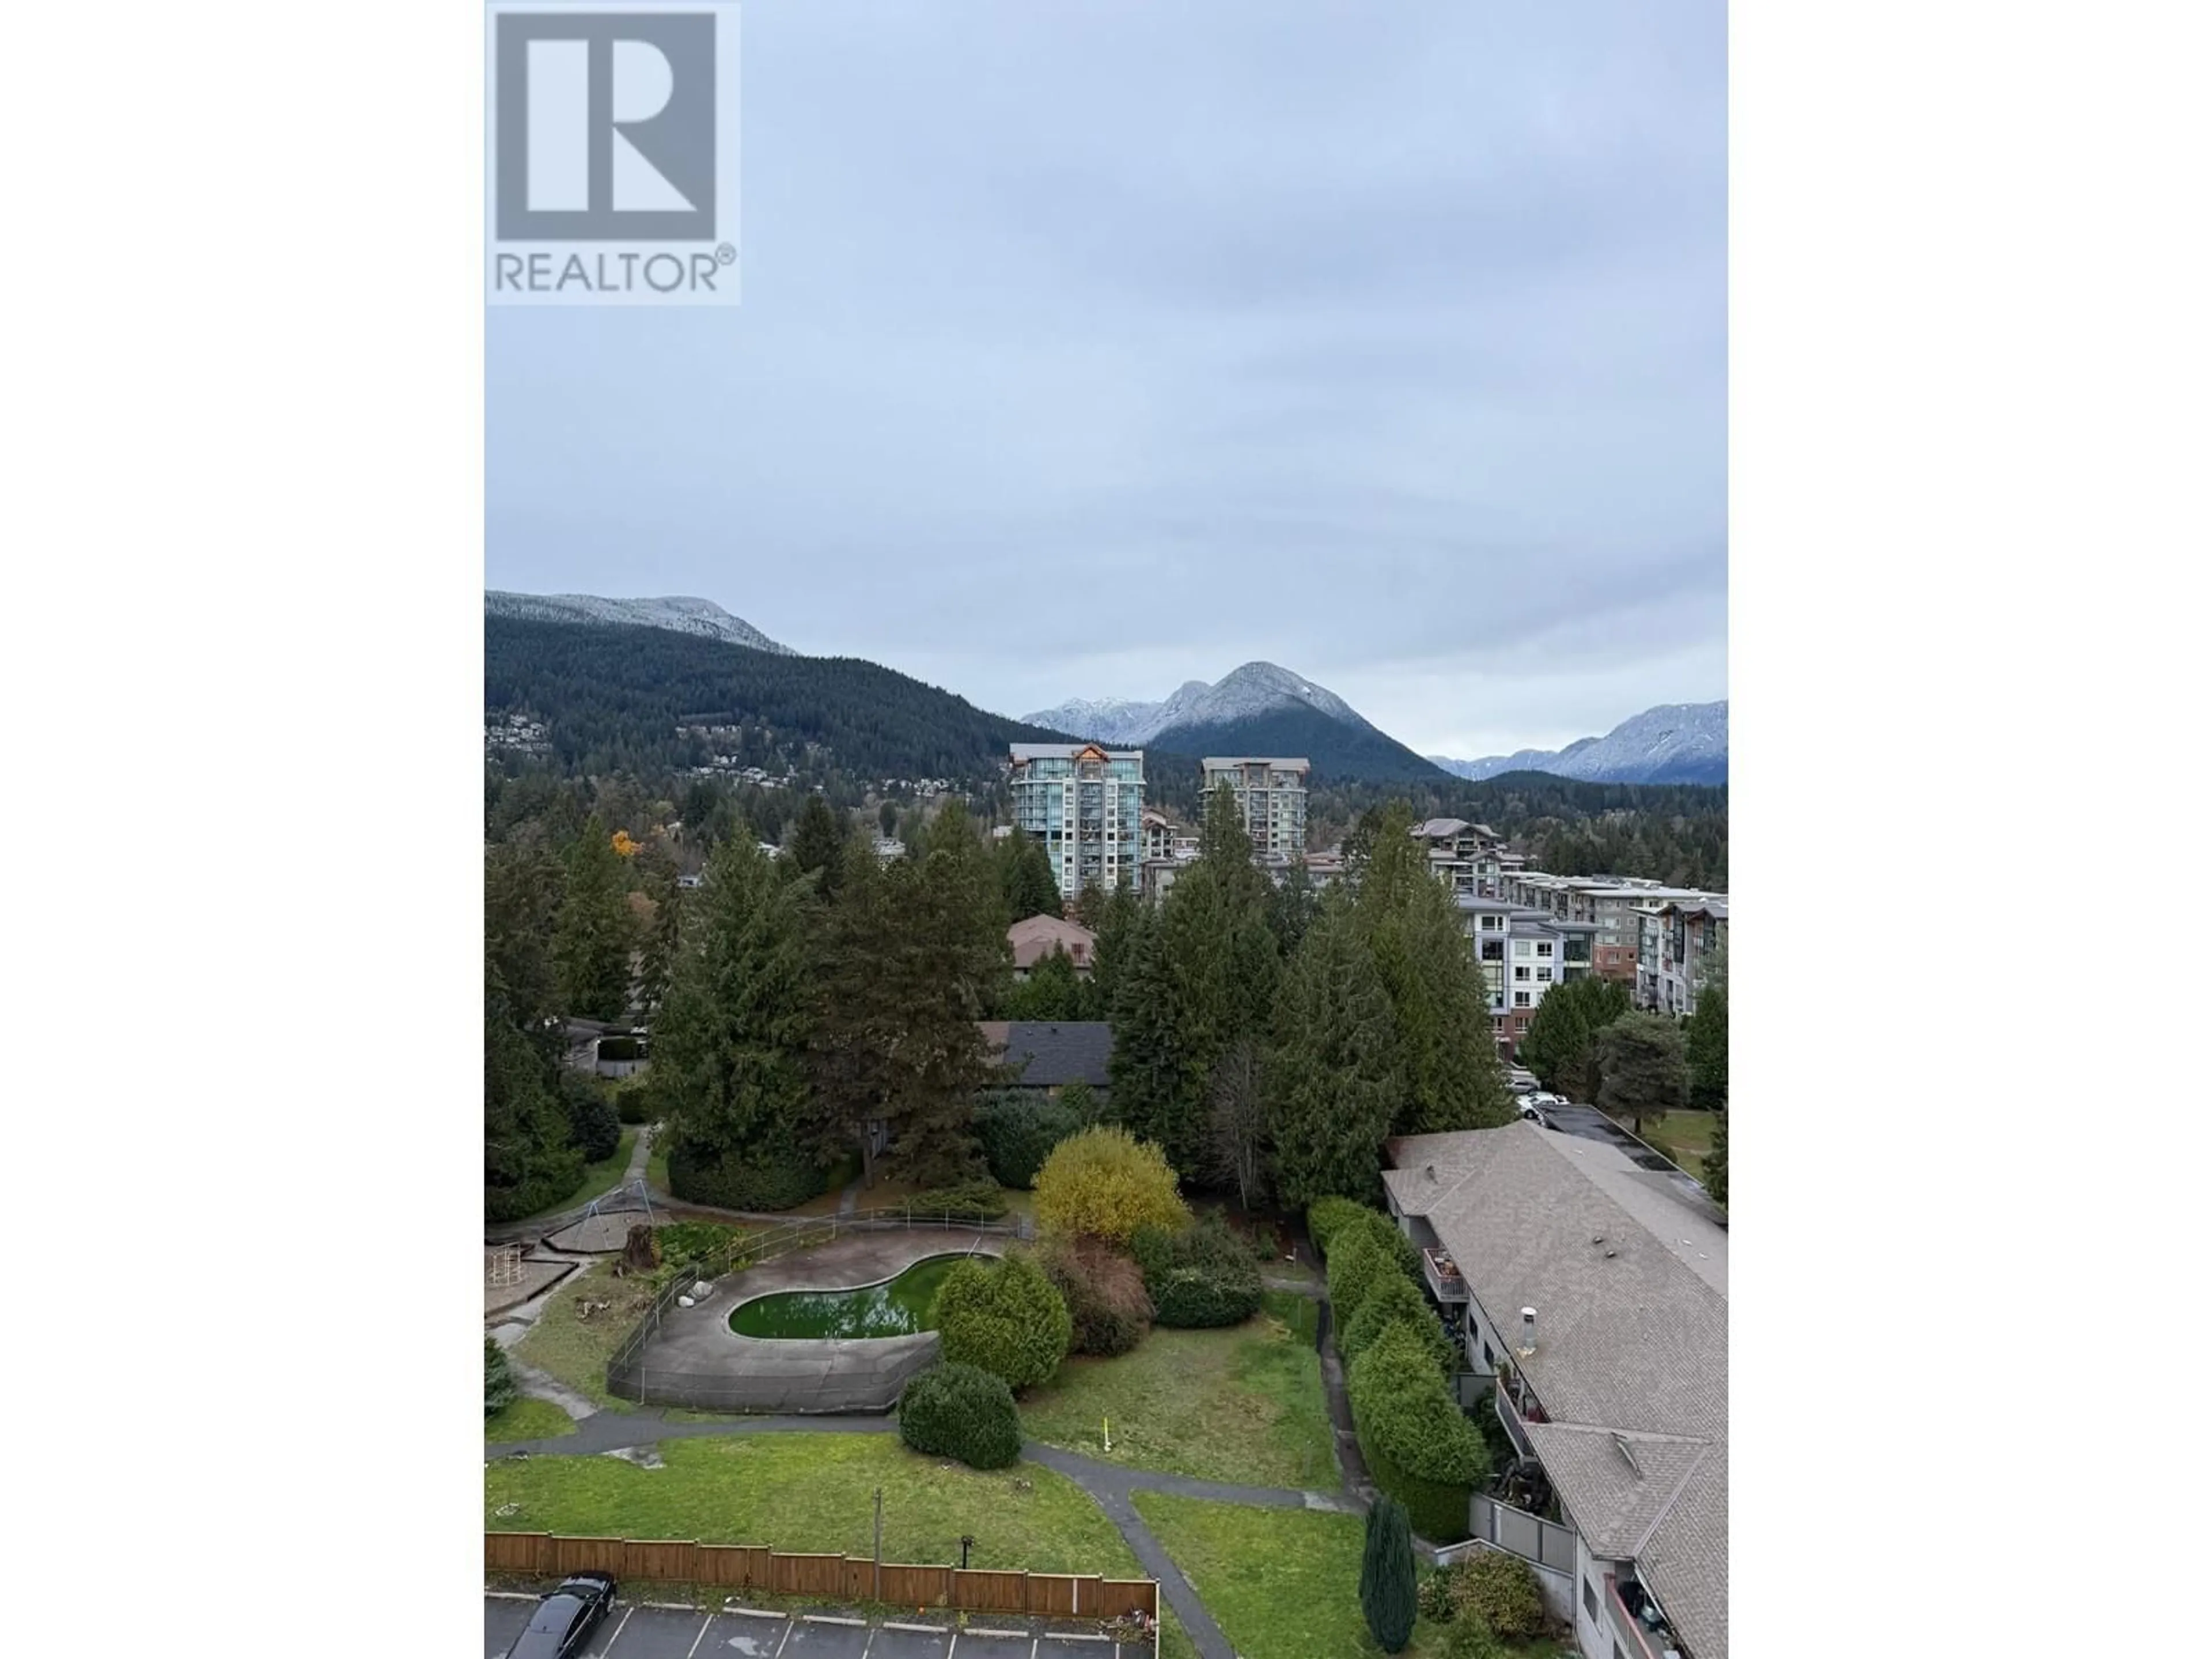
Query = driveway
x=1588 y=1123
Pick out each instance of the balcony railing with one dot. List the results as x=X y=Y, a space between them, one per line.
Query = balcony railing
x=1518 y=1408
x=1444 y=1281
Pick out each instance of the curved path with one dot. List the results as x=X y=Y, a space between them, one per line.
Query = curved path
x=1108 y=1484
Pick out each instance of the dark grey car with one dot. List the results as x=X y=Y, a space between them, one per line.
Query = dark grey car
x=565 y=1620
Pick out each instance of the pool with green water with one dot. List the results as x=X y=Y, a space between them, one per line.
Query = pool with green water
x=898 y=1307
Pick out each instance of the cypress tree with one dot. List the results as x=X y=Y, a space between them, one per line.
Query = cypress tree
x=592 y=942
x=1333 y=1075
x=817 y=844
x=1387 y=1594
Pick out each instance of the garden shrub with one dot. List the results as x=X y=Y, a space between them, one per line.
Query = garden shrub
x=1374 y=1225
x=1435 y=1596
x=1325 y=1215
x=499 y=1380
x=1018 y=1131
x=1499 y=1591
x=961 y=1411
x=1104 y=1290
x=1104 y=1182
x=638 y=1099
x=684 y=1242
x=1470 y=1638
x=762 y=1179
x=1395 y=1300
x=1006 y=1316
x=1201 y=1277
x=593 y=1128
x=1418 y=1445
x=971 y=1200
x=551 y=1180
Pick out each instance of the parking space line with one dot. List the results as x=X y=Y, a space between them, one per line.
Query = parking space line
x=701 y=1636
x=789 y=1625
x=617 y=1636
x=870 y=1642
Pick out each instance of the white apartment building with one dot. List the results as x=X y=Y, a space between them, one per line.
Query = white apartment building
x=1271 y=797
x=1084 y=805
x=1611 y=902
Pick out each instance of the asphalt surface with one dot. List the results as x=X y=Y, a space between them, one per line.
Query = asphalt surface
x=640 y=1631
x=1588 y=1123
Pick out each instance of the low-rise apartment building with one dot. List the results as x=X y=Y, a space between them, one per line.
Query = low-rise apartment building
x=1611 y=902
x=1523 y=953
x=1678 y=940
x=1271 y=798
x=1084 y=806
x=1590 y=1299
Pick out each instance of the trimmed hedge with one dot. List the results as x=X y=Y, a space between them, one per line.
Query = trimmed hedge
x=1398 y=1301
x=1018 y=1131
x=1325 y=1215
x=557 y=1178
x=961 y=1411
x=971 y=1200
x=1418 y=1445
x=1199 y=1278
x=637 y=1099
x=1105 y=1294
x=777 y=1180
x=1006 y=1316
x=1355 y=1267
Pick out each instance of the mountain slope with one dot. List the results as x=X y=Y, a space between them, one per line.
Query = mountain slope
x=613 y=696
x=1257 y=709
x=1673 y=743
x=680 y=615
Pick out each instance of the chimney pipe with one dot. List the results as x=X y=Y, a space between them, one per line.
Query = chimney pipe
x=1527 y=1331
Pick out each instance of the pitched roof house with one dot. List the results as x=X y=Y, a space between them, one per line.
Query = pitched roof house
x=1052 y=1053
x=1595 y=1293
x=1035 y=937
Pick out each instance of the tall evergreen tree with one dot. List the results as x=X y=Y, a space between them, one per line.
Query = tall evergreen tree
x=730 y=1043
x=1333 y=1077
x=1645 y=1072
x=1090 y=906
x=523 y=885
x=1387 y=1591
x=818 y=845
x=1116 y=929
x=1291 y=907
x=1054 y=990
x=1715 y=1162
x=592 y=941
x=1025 y=877
x=1560 y=1046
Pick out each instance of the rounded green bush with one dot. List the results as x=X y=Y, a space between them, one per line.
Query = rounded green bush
x=499 y=1381
x=1005 y=1316
x=1200 y=1277
x=762 y=1179
x=1500 y=1591
x=961 y=1411
x=1018 y=1133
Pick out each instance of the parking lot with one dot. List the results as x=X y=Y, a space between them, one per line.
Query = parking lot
x=641 y=1631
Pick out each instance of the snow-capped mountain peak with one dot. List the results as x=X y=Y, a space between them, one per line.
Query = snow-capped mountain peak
x=679 y=614
x=1673 y=743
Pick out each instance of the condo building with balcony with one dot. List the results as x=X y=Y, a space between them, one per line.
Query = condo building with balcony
x=1271 y=798
x=1522 y=953
x=1084 y=805
x=1678 y=940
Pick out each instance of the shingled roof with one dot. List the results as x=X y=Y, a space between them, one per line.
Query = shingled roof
x=1630 y=1286
x=1052 y=1053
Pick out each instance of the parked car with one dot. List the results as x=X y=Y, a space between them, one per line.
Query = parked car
x=1535 y=1114
x=565 y=1620
x=1521 y=1082
x=1542 y=1097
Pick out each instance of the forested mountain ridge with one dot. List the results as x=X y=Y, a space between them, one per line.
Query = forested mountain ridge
x=611 y=696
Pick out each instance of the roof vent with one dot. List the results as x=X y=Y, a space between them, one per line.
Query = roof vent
x=1430 y=1170
x=1628 y=1457
x=1528 y=1333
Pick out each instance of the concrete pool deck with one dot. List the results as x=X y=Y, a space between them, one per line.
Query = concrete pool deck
x=695 y=1359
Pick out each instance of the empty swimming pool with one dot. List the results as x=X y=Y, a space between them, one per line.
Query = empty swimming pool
x=898 y=1307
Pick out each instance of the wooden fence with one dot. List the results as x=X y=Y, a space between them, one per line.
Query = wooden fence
x=835 y=1577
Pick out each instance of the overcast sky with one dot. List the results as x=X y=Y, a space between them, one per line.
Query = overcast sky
x=1090 y=349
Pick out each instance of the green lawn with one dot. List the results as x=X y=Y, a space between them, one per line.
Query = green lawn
x=1283 y=1583
x=524 y=1418
x=575 y=1346
x=656 y=1164
x=1687 y=1135
x=804 y=1492
x=598 y=1177
x=1243 y=1404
